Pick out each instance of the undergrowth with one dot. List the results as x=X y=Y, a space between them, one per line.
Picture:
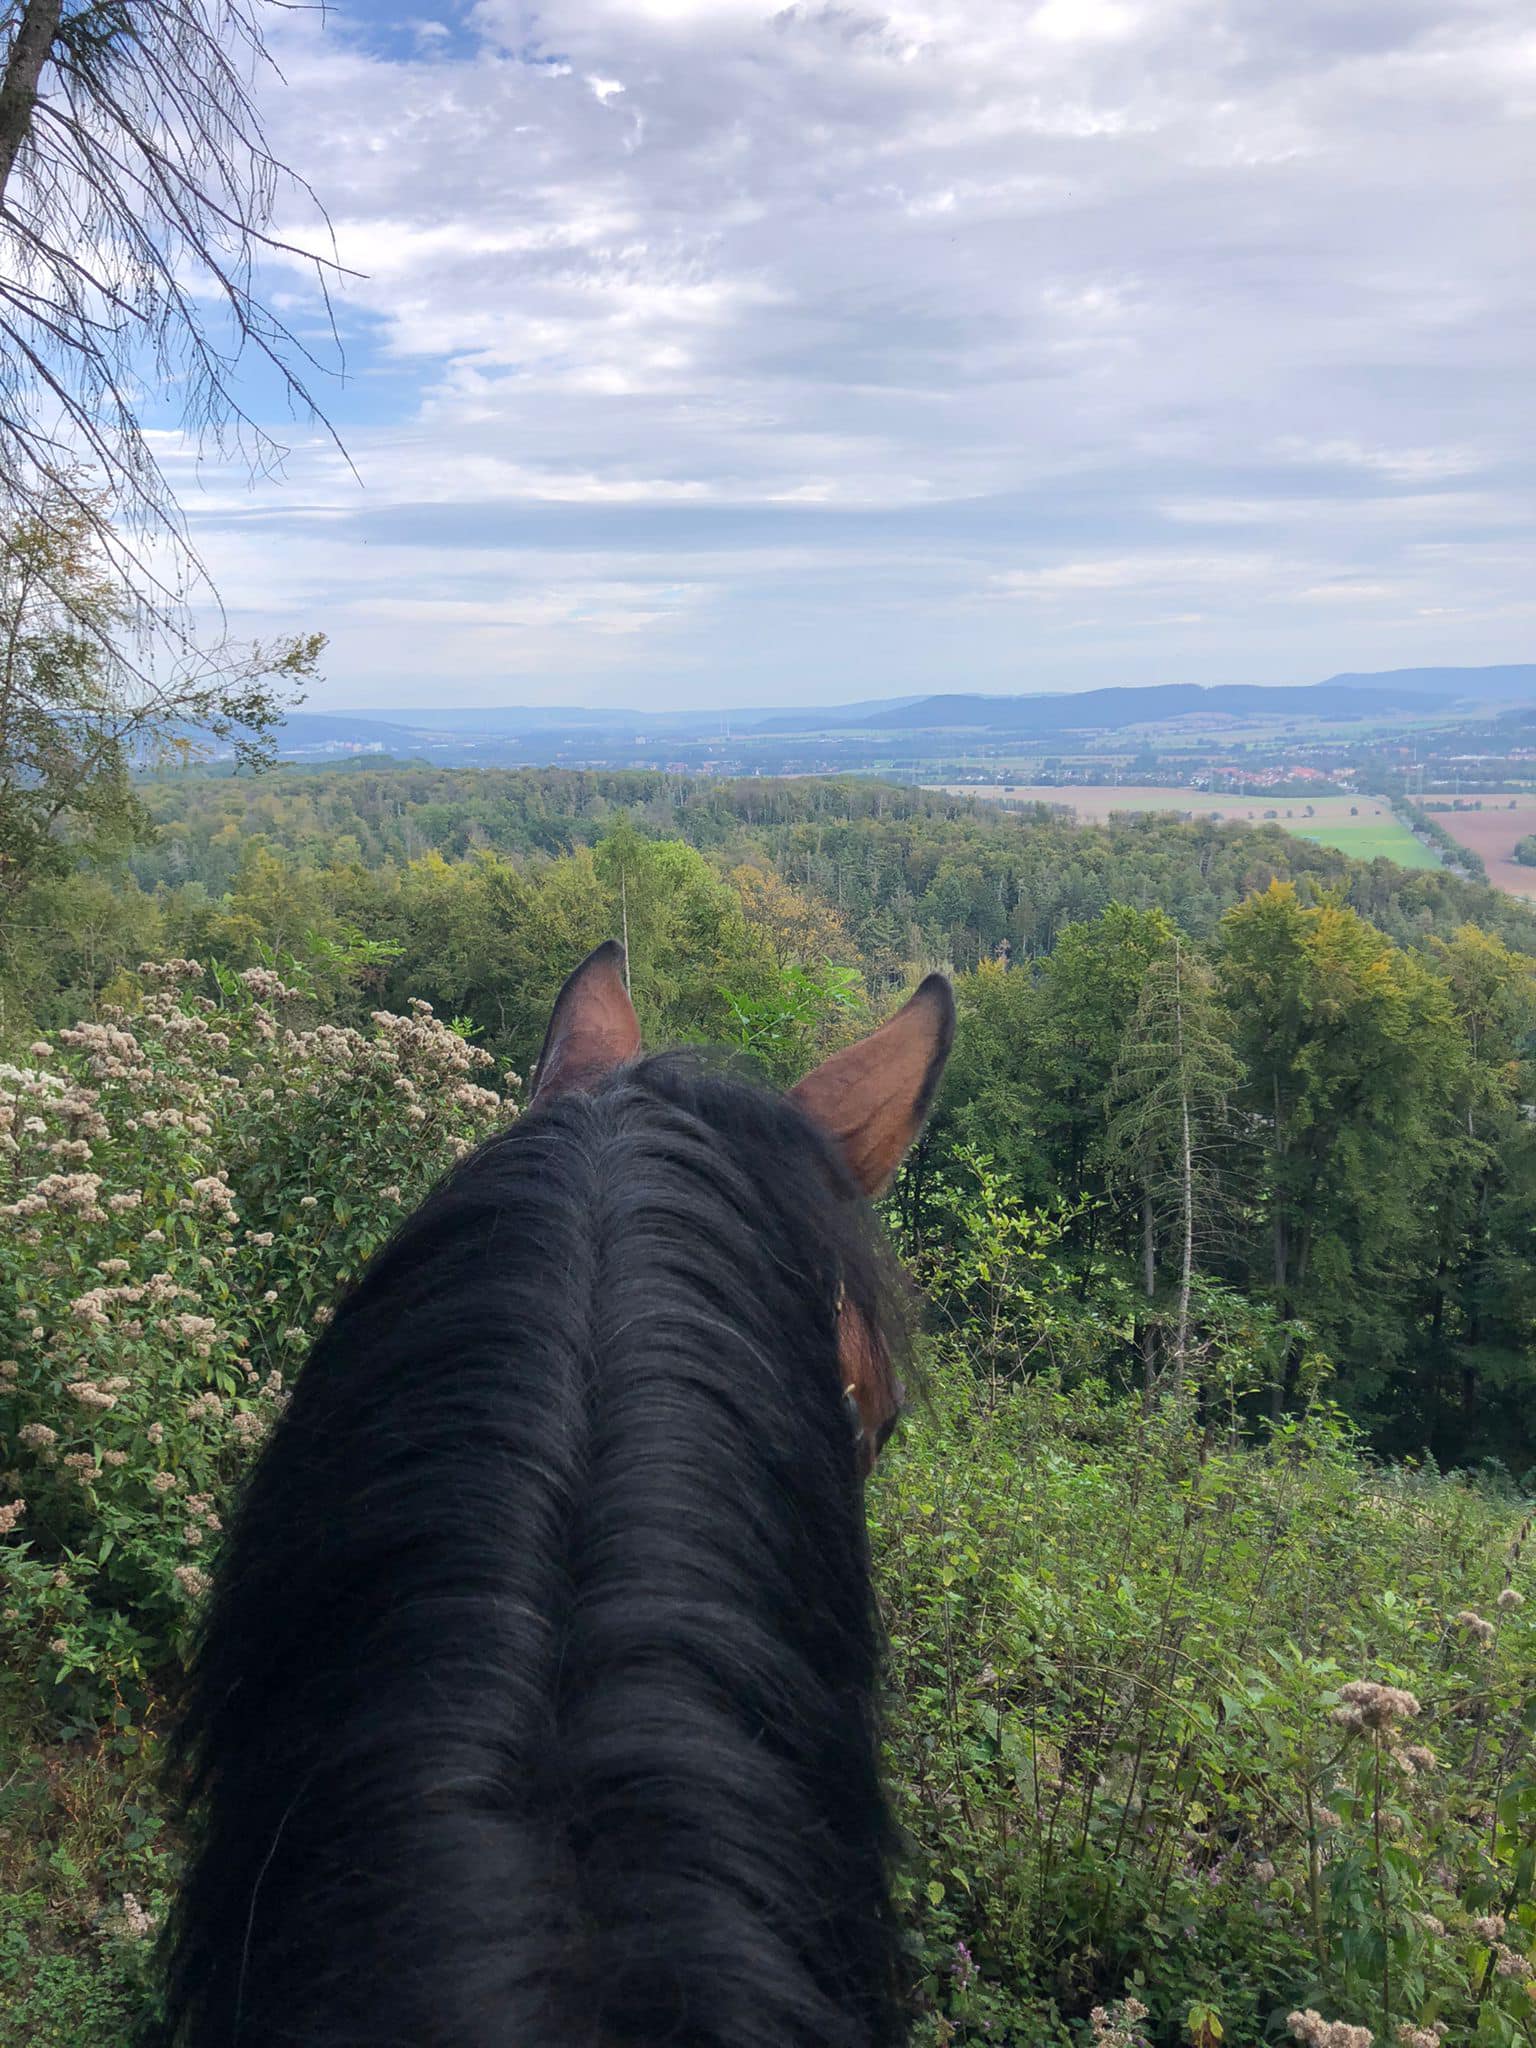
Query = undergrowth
x=1240 y=1734
x=1195 y=1739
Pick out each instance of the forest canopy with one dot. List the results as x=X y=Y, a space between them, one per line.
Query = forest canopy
x=1224 y=1206
x=1251 y=1082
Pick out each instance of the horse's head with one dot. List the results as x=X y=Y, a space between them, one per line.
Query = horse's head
x=866 y=1104
x=545 y=1629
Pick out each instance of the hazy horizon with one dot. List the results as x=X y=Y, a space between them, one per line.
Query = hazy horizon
x=419 y=707
x=719 y=354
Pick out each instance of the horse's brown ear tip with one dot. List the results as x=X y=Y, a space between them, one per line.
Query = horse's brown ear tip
x=610 y=954
x=936 y=991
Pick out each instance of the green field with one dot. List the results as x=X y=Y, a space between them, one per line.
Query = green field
x=1364 y=827
x=1372 y=841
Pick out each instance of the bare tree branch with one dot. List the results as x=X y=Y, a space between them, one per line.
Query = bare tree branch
x=137 y=196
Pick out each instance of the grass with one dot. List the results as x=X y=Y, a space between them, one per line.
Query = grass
x=78 y=1831
x=1364 y=827
x=1116 y=1648
x=1373 y=841
x=1118 y=1654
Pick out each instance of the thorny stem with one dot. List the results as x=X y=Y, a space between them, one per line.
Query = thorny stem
x=1314 y=1900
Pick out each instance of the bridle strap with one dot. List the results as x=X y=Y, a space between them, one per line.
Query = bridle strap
x=851 y=1397
x=855 y=1413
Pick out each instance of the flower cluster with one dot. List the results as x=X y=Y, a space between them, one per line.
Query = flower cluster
x=1365 y=1704
x=138 y=1925
x=186 y=1188
x=1415 y=1757
x=267 y=986
x=1118 y=2025
x=1316 y=2032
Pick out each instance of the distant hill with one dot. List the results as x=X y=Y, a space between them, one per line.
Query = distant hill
x=1111 y=709
x=321 y=732
x=1498 y=684
x=342 y=728
x=513 y=720
x=548 y=732
x=1360 y=695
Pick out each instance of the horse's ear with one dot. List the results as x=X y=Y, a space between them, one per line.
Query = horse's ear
x=871 y=1099
x=592 y=1028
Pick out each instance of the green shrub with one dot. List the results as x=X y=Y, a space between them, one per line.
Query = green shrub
x=1140 y=1732
x=55 y=1999
x=1191 y=1738
x=84 y=1879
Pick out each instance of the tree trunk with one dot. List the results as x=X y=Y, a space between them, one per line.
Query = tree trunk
x=1187 y=1248
x=35 y=32
x=1186 y=1179
x=1149 y=1284
x=1091 y=1247
x=1277 y=1390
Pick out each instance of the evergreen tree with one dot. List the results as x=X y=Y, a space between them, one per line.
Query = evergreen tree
x=1479 y=1312
x=1168 y=1129
x=1089 y=990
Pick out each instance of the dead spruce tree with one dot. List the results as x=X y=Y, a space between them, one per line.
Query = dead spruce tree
x=137 y=194
x=1168 y=1108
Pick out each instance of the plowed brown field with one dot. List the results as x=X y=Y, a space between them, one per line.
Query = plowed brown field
x=1492 y=832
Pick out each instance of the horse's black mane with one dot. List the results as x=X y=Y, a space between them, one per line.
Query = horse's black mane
x=535 y=1705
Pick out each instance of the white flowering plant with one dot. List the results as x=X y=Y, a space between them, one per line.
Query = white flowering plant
x=185 y=1185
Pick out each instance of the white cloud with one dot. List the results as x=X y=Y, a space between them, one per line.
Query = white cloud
x=1136 y=572
x=1398 y=465
x=1349 y=590
x=929 y=325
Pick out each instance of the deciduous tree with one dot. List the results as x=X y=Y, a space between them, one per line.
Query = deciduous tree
x=1353 y=1057
x=77 y=713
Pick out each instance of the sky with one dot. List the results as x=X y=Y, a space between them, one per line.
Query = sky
x=715 y=352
